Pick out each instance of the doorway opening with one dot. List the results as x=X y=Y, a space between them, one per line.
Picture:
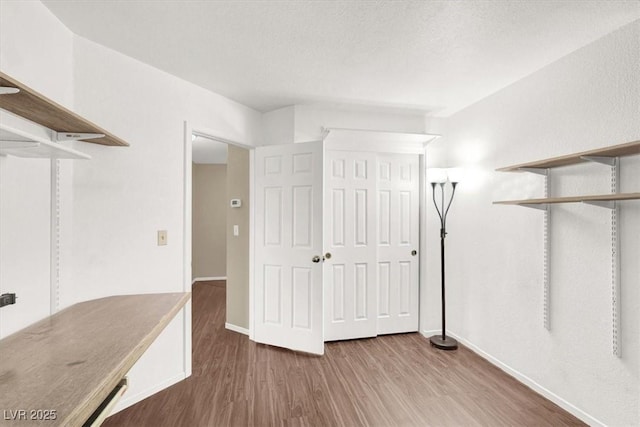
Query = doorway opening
x=219 y=217
x=208 y=209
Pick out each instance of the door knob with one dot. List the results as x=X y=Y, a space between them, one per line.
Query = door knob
x=315 y=259
x=414 y=252
x=327 y=255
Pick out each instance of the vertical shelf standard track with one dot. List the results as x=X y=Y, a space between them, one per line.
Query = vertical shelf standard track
x=546 y=256
x=546 y=282
x=615 y=248
x=615 y=265
x=55 y=237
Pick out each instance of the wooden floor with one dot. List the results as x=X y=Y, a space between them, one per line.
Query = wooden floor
x=394 y=380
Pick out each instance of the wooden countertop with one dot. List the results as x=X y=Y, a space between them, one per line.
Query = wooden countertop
x=71 y=361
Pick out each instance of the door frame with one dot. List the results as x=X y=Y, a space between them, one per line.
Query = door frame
x=406 y=144
x=188 y=130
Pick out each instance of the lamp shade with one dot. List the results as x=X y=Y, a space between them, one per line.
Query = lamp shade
x=455 y=174
x=437 y=175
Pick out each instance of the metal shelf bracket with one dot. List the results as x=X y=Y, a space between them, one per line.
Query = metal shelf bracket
x=611 y=161
x=74 y=136
x=609 y=204
x=537 y=171
x=540 y=206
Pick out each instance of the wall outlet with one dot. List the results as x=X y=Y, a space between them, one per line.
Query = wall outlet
x=162 y=237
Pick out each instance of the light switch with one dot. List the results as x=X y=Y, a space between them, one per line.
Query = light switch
x=236 y=230
x=162 y=237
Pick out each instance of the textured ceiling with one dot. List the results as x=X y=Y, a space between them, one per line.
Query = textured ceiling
x=431 y=56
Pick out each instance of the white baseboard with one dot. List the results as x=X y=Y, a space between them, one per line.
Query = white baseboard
x=206 y=279
x=127 y=401
x=577 y=412
x=235 y=328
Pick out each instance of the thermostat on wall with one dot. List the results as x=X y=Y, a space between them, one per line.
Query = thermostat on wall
x=235 y=203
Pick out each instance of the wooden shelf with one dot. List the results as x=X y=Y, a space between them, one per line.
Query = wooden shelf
x=71 y=362
x=607 y=156
x=39 y=109
x=621 y=150
x=572 y=199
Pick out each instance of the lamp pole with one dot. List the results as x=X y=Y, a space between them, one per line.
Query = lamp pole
x=442 y=341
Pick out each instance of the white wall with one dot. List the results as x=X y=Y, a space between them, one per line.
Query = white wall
x=125 y=195
x=303 y=123
x=278 y=126
x=25 y=54
x=587 y=100
x=310 y=120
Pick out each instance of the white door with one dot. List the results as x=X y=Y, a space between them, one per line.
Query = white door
x=350 y=245
x=398 y=210
x=371 y=231
x=288 y=235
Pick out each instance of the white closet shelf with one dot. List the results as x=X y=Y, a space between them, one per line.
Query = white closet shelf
x=20 y=144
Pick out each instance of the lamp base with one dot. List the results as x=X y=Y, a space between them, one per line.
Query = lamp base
x=447 y=343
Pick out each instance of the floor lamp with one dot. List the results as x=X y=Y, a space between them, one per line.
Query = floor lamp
x=440 y=179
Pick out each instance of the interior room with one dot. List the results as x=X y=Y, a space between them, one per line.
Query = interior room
x=319 y=213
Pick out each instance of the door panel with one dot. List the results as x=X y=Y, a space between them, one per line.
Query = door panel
x=288 y=210
x=398 y=218
x=350 y=272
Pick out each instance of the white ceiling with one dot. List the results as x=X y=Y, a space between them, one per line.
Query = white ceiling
x=430 y=56
x=208 y=151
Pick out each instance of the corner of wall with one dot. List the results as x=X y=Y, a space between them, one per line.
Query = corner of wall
x=278 y=126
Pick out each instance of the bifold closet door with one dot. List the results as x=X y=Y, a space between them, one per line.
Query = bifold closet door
x=370 y=232
x=350 y=245
x=398 y=187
